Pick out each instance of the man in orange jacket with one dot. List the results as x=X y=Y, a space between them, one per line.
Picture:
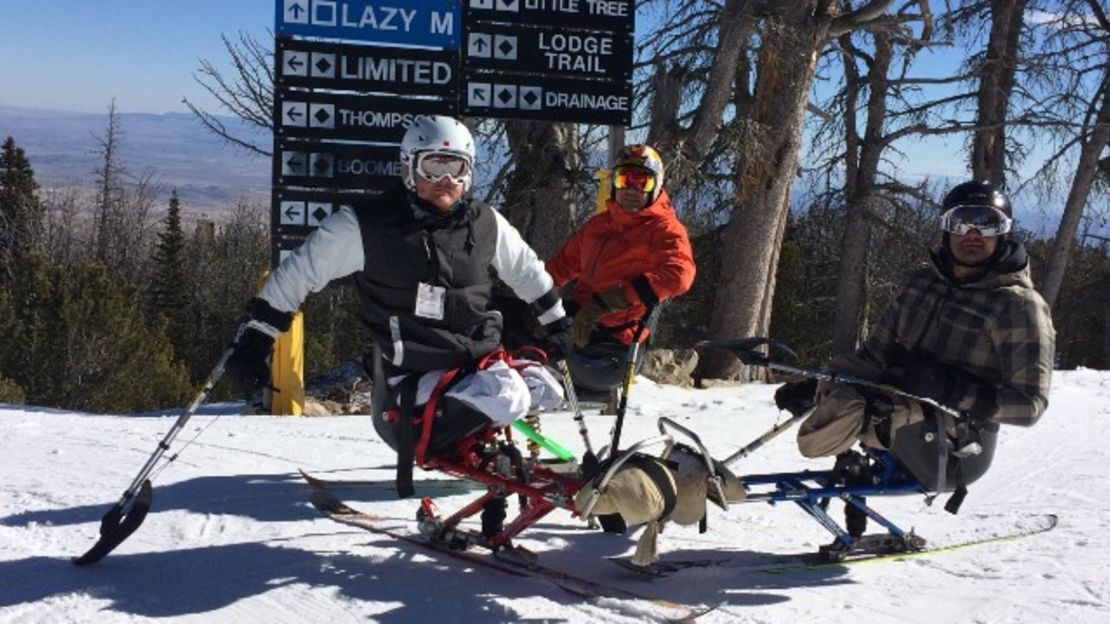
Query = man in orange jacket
x=624 y=260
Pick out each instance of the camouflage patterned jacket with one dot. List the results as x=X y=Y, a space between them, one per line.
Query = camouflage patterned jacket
x=996 y=330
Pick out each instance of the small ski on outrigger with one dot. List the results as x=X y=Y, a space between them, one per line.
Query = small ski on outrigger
x=1033 y=525
x=335 y=509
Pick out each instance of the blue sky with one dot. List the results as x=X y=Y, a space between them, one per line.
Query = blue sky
x=77 y=55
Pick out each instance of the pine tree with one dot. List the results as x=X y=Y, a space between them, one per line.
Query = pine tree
x=93 y=348
x=21 y=213
x=169 y=296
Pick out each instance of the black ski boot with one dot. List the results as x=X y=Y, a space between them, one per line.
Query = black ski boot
x=853 y=468
x=796 y=397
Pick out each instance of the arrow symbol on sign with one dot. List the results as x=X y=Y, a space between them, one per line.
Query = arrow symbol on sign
x=295 y=62
x=293 y=113
x=480 y=44
x=294 y=163
x=296 y=10
x=292 y=212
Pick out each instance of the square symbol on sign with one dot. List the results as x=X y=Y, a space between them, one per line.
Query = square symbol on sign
x=294 y=114
x=323 y=12
x=323 y=65
x=322 y=166
x=296 y=63
x=478 y=45
x=321 y=115
x=478 y=95
x=504 y=47
x=296 y=12
x=531 y=98
x=504 y=96
x=292 y=213
x=294 y=164
x=317 y=212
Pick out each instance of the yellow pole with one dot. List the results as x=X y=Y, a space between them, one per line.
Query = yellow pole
x=604 y=187
x=288 y=370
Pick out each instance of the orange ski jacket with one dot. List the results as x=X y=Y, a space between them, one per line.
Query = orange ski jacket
x=647 y=253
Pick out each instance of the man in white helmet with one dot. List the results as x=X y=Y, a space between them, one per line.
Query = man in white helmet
x=420 y=255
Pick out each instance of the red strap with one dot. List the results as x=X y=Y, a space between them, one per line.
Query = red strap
x=441 y=385
x=429 y=414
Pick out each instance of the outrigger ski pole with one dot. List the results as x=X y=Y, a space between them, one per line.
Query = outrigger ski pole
x=746 y=350
x=125 y=516
x=622 y=405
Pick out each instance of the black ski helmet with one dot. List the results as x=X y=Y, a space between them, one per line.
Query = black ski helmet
x=977 y=193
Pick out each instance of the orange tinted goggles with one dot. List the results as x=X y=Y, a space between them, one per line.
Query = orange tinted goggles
x=634 y=178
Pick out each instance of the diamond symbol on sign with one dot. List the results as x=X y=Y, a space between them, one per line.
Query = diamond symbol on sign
x=508 y=5
x=317 y=212
x=323 y=65
x=530 y=98
x=504 y=47
x=322 y=165
x=478 y=94
x=504 y=96
x=323 y=115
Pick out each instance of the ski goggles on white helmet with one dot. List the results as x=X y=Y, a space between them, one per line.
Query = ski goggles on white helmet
x=435 y=166
x=988 y=220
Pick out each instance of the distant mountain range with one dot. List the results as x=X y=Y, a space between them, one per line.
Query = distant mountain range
x=207 y=173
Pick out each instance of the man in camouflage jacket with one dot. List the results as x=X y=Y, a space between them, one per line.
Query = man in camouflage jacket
x=968 y=331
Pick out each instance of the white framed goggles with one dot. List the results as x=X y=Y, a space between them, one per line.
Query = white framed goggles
x=435 y=166
x=988 y=220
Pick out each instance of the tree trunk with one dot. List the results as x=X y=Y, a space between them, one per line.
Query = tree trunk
x=851 y=288
x=763 y=173
x=1085 y=173
x=996 y=82
x=541 y=199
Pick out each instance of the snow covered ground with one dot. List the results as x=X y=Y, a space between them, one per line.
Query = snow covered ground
x=232 y=538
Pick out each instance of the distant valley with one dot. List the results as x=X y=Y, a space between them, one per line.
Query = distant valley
x=207 y=173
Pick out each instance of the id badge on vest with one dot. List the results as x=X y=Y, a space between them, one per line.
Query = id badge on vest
x=429 y=301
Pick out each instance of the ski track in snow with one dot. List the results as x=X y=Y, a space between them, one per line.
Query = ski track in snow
x=231 y=536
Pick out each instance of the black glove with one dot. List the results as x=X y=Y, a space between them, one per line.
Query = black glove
x=796 y=397
x=946 y=384
x=248 y=364
x=558 y=338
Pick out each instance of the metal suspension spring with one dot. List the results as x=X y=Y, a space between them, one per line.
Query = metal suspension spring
x=533 y=421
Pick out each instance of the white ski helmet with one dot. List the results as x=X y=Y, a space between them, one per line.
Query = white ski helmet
x=438 y=134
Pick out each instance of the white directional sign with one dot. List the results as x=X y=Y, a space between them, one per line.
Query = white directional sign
x=479 y=45
x=548 y=98
x=549 y=50
x=292 y=213
x=431 y=23
x=326 y=115
x=294 y=63
x=294 y=114
x=613 y=15
x=365 y=68
x=479 y=94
